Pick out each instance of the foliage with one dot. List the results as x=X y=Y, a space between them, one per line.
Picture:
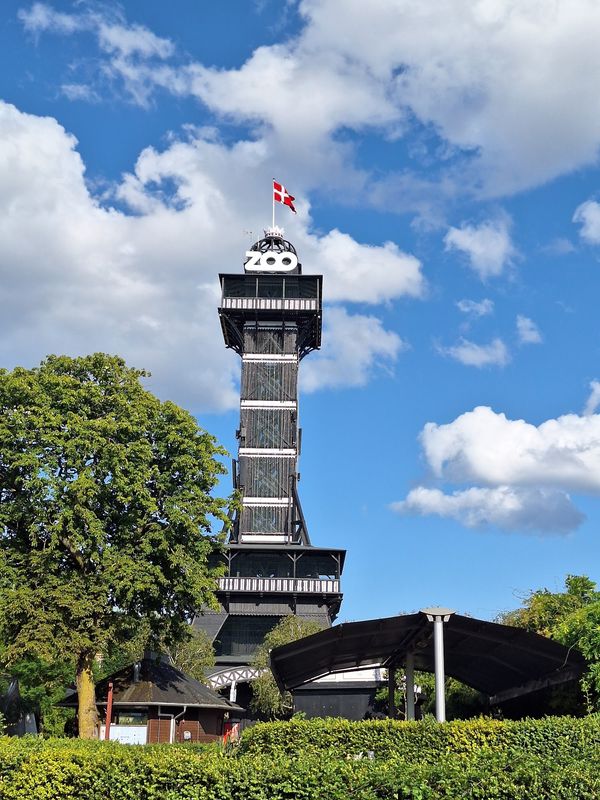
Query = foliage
x=572 y=618
x=266 y=697
x=106 y=514
x=41 y=685
x=462 y=701
x=551 y=759
x=426 y=740
x=194 y=655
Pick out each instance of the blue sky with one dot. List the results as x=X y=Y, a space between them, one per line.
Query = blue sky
x=444 y=158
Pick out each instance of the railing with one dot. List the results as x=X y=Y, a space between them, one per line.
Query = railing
x=293 y=585
x=270 y=303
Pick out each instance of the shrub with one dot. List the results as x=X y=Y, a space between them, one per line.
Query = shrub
x=424 y=741
x=552 y=759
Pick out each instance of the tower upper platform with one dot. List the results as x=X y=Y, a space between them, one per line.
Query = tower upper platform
x=272 y=290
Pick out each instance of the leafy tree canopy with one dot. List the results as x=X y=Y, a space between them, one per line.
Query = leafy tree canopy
x=571 y=617
x=194 y=655
x=106 y=514
x=266 y=697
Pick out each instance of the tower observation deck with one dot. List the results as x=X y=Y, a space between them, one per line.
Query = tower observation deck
x=271 y=316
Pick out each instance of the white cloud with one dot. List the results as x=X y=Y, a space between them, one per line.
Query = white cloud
x=528 y=331
x=133 y=40
x=559 y=247
x=593 y=400
x=365 y=273
x=469 y=71
x=478 y=355
x=476 y=309
x=132 y=53
x=80 y=91
x=528 y=510
x=354 y=347
x=523 y=473
x=588 y=216
x=484 y=447
x=488 y=246
x=41 y=18
x=78 y=277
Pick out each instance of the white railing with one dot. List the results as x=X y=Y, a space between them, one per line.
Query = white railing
x=295 y=585
x=270 y=303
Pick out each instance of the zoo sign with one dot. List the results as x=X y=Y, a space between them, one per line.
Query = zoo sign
x=271 y=261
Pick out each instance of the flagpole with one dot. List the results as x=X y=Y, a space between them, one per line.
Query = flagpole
x=273 y=200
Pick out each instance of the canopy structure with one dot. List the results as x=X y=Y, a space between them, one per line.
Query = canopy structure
x=501 y=661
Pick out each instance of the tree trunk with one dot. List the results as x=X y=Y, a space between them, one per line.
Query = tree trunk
x=86 y=696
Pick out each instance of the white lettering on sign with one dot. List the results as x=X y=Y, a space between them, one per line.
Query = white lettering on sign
x=271 y=261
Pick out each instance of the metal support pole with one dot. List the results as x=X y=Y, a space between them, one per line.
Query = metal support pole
x=109 y=705
x=392 y=691
x=409 y=675
x=439 y=616
x=440 y=678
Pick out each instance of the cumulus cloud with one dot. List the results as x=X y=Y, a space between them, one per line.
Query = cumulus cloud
x=478 y=355
x=505 y=507
x=78 y=276
x=365 y=273
x=527 y=331
x=354 y=346
x=476 y=309
x=487 y=246
x=470 y=72
x=523 y=473
x=482 y=446
x=588 y=216
x=593 y=400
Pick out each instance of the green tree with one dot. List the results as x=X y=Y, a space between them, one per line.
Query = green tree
x=105 y=515
x=266 y=697
x=194 y=655
x=571 y=617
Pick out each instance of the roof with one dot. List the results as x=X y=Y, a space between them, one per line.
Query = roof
x=499 y=660
x=160 y=683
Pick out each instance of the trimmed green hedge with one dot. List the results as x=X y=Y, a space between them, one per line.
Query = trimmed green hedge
x=552 y=759
x=426 y=741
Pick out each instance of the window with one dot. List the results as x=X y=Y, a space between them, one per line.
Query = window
x=132 y=717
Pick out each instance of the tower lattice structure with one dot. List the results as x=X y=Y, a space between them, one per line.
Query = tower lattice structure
x=271 y=316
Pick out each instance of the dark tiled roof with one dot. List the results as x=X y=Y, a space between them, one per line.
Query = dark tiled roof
x=160 y=683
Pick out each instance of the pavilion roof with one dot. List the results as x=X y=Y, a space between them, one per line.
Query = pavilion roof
x=499 y=660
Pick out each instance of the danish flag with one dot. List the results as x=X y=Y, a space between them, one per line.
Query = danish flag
x=281 y=195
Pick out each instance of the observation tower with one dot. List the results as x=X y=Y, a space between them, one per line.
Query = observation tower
x=271 y=317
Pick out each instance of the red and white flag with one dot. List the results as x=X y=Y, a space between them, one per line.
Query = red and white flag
x=281 y=195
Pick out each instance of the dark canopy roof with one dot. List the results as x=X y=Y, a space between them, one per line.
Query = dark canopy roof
x=498 y=660
x=159 y=683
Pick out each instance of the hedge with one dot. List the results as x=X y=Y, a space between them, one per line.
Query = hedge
x=552 y=759
x=550 y=737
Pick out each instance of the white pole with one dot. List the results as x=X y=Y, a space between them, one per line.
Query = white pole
x=439 y=615
x=409 y=675
x=438 y=644
x=273 y=199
